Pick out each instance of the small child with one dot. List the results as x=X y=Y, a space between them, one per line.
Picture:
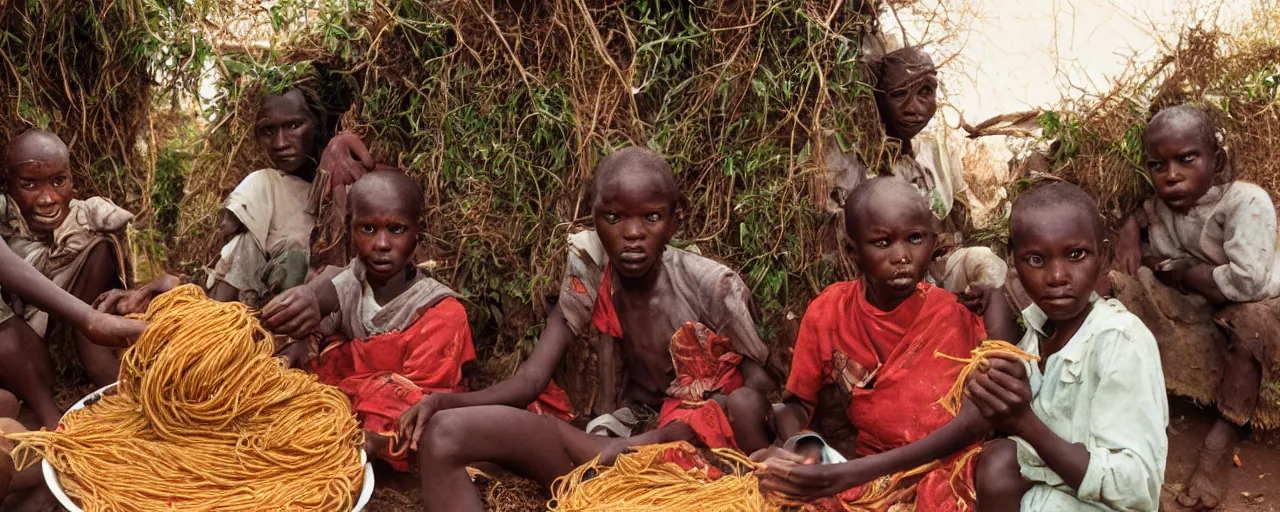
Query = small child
x=1210 y=258
x=267 y=220
x=877 y=340
x=401 y=335
x=81 y=246
x=672 y=331
x=1088 y=419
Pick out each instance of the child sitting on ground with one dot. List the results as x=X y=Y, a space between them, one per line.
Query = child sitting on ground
x=21 y=279
x=1210 y=257
x=876 y=339
x=80 y=245
x=401 y=335
x=672 y=331
x=1088 y=417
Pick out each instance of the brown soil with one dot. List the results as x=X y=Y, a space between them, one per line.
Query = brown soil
x=1253 y=487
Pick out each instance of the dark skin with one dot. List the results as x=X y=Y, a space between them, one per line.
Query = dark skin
x=24 y=360
x=893 y=248
x=907 y=103
x=1056 y=253
x=286 y=130
x=1184 y=162
x=1183 y=165
x=384 y=235
x=635 y=221
x=40 y=184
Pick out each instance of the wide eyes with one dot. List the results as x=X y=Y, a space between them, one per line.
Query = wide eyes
x=612 y=218
x=1035 y=260
x=1078 y=254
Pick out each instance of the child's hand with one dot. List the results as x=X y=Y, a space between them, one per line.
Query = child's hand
x=346 y=159
x=294 y=313
x=975 y=298
x=610 y=453
x=136 y=301
x=1173 y=272
x=296 y=354
x=1002 y=393
x=414 y=420
x=805 y=482
x=112 y=331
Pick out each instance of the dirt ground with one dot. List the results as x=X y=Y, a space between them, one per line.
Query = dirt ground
x=1253 y=487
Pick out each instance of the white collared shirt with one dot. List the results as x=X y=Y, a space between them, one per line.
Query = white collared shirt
x=1105 y=390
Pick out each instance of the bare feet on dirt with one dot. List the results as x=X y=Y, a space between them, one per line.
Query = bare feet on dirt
x=1207 y=485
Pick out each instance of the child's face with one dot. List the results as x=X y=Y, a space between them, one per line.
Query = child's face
x=892 y=245
x=906 y=105
x=384 y=237
x=634 y=219
x=1182 y=164
x=1055 y=251
x=42 y=189
x=287 y=131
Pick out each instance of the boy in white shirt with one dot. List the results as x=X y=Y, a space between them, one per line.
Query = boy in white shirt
x=1088 y=419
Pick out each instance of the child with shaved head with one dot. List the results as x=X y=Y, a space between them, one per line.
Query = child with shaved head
x=679 y=356
x=1206 y=280
x=80 y=245
x=1087 y=419
x=397 y=333
x=875 y=340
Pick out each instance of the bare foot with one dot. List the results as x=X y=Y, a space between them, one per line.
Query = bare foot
x=1209 y=481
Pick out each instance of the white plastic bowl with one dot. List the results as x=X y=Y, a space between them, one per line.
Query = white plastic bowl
x=51 y=476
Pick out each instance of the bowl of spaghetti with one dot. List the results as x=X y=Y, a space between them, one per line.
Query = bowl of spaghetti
x=51 y=476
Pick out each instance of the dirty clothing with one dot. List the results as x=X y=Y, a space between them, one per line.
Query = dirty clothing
x=711 y=297
x=89 y=222
x=272 y=253
x=1105 y=390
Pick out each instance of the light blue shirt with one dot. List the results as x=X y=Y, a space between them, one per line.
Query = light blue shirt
x=1105 y=390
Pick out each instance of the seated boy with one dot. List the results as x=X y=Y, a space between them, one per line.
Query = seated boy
x=673 y=335
x=1209 y=287
x=1088 y=417
x=268 y=218
x=400 y=335
x=80 y=245
x=876 y=340
x=18 y=363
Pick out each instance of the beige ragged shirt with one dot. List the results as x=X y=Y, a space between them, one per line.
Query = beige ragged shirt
x=1105 y=390
x=1232 y=227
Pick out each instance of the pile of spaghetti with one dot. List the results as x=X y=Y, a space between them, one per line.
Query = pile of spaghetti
x=206 y=419
x=678 y=476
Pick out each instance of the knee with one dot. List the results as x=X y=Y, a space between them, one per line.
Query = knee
x=9 y=405
x=14 y=334
x=443 y=438
x=997 y=473
x=747 y=404
x=99 y=275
